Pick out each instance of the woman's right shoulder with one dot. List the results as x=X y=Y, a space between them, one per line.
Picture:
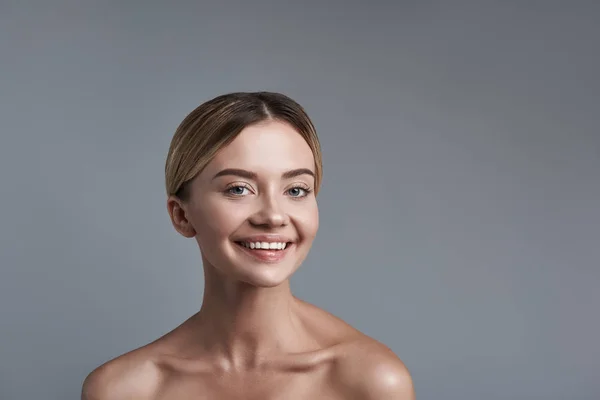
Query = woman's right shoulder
x=131 y=375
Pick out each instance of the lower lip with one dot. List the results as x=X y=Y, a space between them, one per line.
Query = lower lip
x=268 y=256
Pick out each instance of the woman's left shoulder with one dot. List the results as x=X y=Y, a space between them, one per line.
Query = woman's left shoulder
x=373 y=371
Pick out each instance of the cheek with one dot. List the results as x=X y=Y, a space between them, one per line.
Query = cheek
x=215 y=221
x=309 y=222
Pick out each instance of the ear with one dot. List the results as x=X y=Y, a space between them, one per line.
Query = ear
x=178 y=213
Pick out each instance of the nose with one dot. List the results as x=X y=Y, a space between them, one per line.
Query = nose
x=270 y=214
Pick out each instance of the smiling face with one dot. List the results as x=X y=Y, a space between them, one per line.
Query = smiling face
x=258 y=189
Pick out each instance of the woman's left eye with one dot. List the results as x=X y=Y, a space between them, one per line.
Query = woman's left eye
x=298 y=192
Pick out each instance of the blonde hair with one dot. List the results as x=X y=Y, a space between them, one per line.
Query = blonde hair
x=215 y=123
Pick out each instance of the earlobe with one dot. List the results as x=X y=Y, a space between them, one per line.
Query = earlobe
x=186 y=230
x=179 y=219
x=183 y=225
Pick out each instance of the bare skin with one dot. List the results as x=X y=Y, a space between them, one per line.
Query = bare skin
x=252 y=339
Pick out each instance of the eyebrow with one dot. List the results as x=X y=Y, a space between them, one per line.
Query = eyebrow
x=253 y=175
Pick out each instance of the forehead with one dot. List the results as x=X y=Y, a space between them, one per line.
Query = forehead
x=271 y=146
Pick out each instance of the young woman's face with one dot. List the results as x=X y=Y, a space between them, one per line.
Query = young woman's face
x=257 y=192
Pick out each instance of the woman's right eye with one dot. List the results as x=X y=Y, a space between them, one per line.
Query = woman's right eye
x=236 y=190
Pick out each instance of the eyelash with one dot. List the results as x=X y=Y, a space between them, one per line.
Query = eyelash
x=306 y=190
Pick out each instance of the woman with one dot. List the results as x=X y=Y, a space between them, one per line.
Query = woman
x=242 y=175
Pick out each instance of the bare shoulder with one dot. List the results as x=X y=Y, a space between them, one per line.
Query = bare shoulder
x=133 y=375
x=363 y=368
x=370 y=370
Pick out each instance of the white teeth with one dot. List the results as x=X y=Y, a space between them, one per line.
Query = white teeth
x=265 y=245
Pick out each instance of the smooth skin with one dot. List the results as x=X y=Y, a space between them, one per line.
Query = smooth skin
x=253 y=339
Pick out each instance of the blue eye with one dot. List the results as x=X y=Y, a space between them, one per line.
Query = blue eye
x=237 y=190
x=298 y=192
x=241 y=190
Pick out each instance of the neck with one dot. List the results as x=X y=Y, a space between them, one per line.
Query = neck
x=242 y=324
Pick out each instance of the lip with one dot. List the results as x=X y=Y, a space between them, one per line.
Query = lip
x=265 y=256
x=266 y=238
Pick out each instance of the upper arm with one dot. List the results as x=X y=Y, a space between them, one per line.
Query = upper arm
x=95 y=385
x=371 y=371
x=121 y=379
x=388 y=380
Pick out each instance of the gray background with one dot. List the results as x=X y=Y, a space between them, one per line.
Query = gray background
x=460 y=222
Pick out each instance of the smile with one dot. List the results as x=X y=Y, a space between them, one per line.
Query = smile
x=264 y=245
x=270 y=252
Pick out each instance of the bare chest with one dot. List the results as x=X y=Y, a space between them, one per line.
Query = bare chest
x=275 y=386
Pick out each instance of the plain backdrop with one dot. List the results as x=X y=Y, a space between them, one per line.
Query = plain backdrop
x=460 y=218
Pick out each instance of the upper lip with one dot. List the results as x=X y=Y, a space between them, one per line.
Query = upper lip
x=266 y=238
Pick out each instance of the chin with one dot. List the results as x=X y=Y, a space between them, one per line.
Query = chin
x=240 y=265
x=262 y=275
x=264 y=283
